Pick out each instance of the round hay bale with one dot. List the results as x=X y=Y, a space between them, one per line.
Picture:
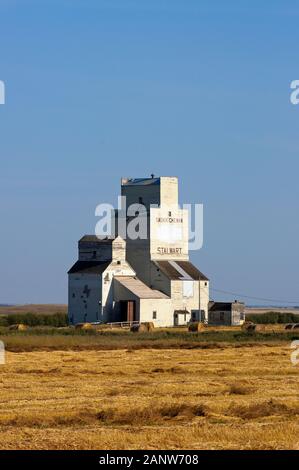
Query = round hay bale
x=139 y=328
x=83 y=326
x=196 y=326
x=249 y=326
x=142 y=328
x=102 y=326
x=18 y=327
x=259 y=328
x=149 y=326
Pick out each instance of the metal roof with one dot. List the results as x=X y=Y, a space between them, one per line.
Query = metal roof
x=89 y=267
x=180 y=270
x=223 y=306
x=140 y=181
x=95 y=239
x=138 y=288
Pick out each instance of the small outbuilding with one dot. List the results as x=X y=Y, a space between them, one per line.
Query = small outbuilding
x=226 y=313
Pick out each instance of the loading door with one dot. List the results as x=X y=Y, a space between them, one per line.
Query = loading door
x=128 y=310
x=131 y=310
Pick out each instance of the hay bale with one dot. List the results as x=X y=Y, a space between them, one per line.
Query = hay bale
x=196 y=326
x=18 y=327
x=149 y=326
x=249 y=326
x=259 y=328
x=139 y=328
x=289 y=326
x=83 y=326
x=102 y=326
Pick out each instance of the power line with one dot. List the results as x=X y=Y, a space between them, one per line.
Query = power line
x=255 y=298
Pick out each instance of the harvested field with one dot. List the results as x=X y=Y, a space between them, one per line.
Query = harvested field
x=236 y=398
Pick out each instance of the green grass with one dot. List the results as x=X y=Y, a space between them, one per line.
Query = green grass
x=57 y=319
x=71 y=339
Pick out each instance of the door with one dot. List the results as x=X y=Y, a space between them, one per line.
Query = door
x=123 y=310
x=127 y=310
x=131 y=310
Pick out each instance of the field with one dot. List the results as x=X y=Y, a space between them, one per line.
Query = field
x=70 y=339
x=212 y=395
x=62 y=308
x=221 y=388
x=33 y=308
x=262 y=310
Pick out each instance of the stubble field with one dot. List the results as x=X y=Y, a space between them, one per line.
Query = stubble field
x=217 y=398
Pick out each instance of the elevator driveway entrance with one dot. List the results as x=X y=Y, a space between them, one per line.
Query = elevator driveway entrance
x=128 y=310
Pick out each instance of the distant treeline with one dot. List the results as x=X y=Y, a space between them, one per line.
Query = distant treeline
x=34 y=319
x=61 y=319
x=273 y=317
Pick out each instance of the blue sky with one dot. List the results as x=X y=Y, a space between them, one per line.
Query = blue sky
x=96 y=90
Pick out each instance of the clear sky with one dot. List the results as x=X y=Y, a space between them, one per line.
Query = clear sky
x=99 y=89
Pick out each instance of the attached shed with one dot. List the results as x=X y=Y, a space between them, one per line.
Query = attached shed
x=135 y=301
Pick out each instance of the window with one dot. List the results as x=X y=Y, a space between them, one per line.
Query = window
x=154 y=315
x=206 y=284
x=169 y=214
x=118 y=262
x=140 y=200
x=188 y=288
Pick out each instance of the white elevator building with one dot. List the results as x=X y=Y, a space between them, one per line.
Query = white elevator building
x=141 y=279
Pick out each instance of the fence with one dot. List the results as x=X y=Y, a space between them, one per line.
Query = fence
x=122 y=324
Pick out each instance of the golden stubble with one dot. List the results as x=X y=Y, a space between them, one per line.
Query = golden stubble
x=225 y=398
